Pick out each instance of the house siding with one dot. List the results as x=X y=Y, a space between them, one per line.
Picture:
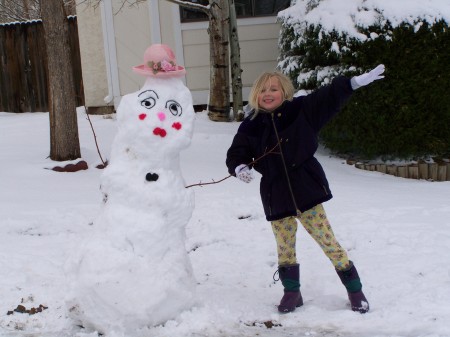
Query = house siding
x=93 y=65
x=133 y=34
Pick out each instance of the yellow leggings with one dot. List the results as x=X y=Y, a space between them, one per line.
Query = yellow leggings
x=316 y=224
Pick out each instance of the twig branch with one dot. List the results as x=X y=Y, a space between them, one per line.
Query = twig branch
x=204 y=8
x=251 y=163
x=95 y=139
x=210 y=183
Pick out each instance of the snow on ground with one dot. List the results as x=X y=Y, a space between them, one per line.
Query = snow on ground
x=397 y=232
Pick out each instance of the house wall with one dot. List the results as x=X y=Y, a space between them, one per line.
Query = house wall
x=126 y=31
x=113 y=38
x=258 y=39
x=93 y=65
x=132 y=33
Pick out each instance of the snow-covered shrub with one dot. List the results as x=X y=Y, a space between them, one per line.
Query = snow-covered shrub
x=405 y=115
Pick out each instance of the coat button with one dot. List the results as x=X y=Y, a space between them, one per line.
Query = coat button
x=279 y=114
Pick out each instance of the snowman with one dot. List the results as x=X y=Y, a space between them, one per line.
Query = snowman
x=133 y=271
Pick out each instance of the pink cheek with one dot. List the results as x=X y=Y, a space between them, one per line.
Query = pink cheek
x=142 y=116
x=176 y=125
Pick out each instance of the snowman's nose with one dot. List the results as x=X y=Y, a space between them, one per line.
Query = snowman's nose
x=161 y=116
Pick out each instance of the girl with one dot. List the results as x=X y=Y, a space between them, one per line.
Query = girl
x=282 y=133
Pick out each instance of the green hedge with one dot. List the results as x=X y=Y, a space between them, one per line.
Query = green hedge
x=407 y=114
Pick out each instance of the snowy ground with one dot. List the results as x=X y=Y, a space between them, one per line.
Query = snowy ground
x=396 y=230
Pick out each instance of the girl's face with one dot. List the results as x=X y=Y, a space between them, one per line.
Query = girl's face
x=271 y=95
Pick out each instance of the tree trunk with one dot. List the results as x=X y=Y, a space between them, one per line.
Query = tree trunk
x=64 y=141
x=219 y=99
x=235 y=61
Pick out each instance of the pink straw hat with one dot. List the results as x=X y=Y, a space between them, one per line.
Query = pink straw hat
x=159 y=61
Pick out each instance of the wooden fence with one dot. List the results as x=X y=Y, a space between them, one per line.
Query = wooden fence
x=428 y=171
x=23 y=64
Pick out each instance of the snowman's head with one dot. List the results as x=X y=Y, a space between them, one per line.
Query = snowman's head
x=159 y=117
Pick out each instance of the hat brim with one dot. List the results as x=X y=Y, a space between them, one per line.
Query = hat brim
x=146 y=71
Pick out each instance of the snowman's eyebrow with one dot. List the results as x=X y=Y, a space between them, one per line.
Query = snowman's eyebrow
x=149 y=93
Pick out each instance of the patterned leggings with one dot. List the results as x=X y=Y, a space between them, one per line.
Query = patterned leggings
x=316 y=224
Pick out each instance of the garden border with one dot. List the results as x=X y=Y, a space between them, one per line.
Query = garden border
x=437 y=171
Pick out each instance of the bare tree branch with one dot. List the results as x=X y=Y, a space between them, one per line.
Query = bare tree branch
x=186 y=4
x=104 y=163
x=26 y=10
x=19 y=10
x=272 y=150
x=192 y=5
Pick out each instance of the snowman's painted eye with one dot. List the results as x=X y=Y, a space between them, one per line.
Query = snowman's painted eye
x=174 y=107
x=148 y=103
x=148 y=98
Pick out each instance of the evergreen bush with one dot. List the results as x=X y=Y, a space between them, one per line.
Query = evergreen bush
x=406 y=115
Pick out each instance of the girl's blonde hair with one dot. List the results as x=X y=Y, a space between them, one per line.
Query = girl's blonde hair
x=285 y=83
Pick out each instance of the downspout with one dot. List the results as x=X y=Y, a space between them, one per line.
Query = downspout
x=109 y=47
x=179 y=50
x=155 y=25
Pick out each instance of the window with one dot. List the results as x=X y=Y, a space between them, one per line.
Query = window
x=244 y=9
x=188 y=15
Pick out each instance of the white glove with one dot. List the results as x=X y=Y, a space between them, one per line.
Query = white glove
x=244 y=173
x=369 y=77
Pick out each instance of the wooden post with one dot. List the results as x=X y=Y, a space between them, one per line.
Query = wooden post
x=423 y=171
x=442 y=172
x=433 y=171
x=413 y=171
x=403 y=171
x=381 y=168
x=448 y=171
x=392 y=170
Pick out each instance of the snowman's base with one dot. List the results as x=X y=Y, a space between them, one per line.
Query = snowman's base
x=81 y=165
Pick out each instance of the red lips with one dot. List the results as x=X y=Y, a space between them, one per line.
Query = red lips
x=159 y=132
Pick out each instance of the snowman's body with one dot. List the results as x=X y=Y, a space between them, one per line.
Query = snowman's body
x=134 y=270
